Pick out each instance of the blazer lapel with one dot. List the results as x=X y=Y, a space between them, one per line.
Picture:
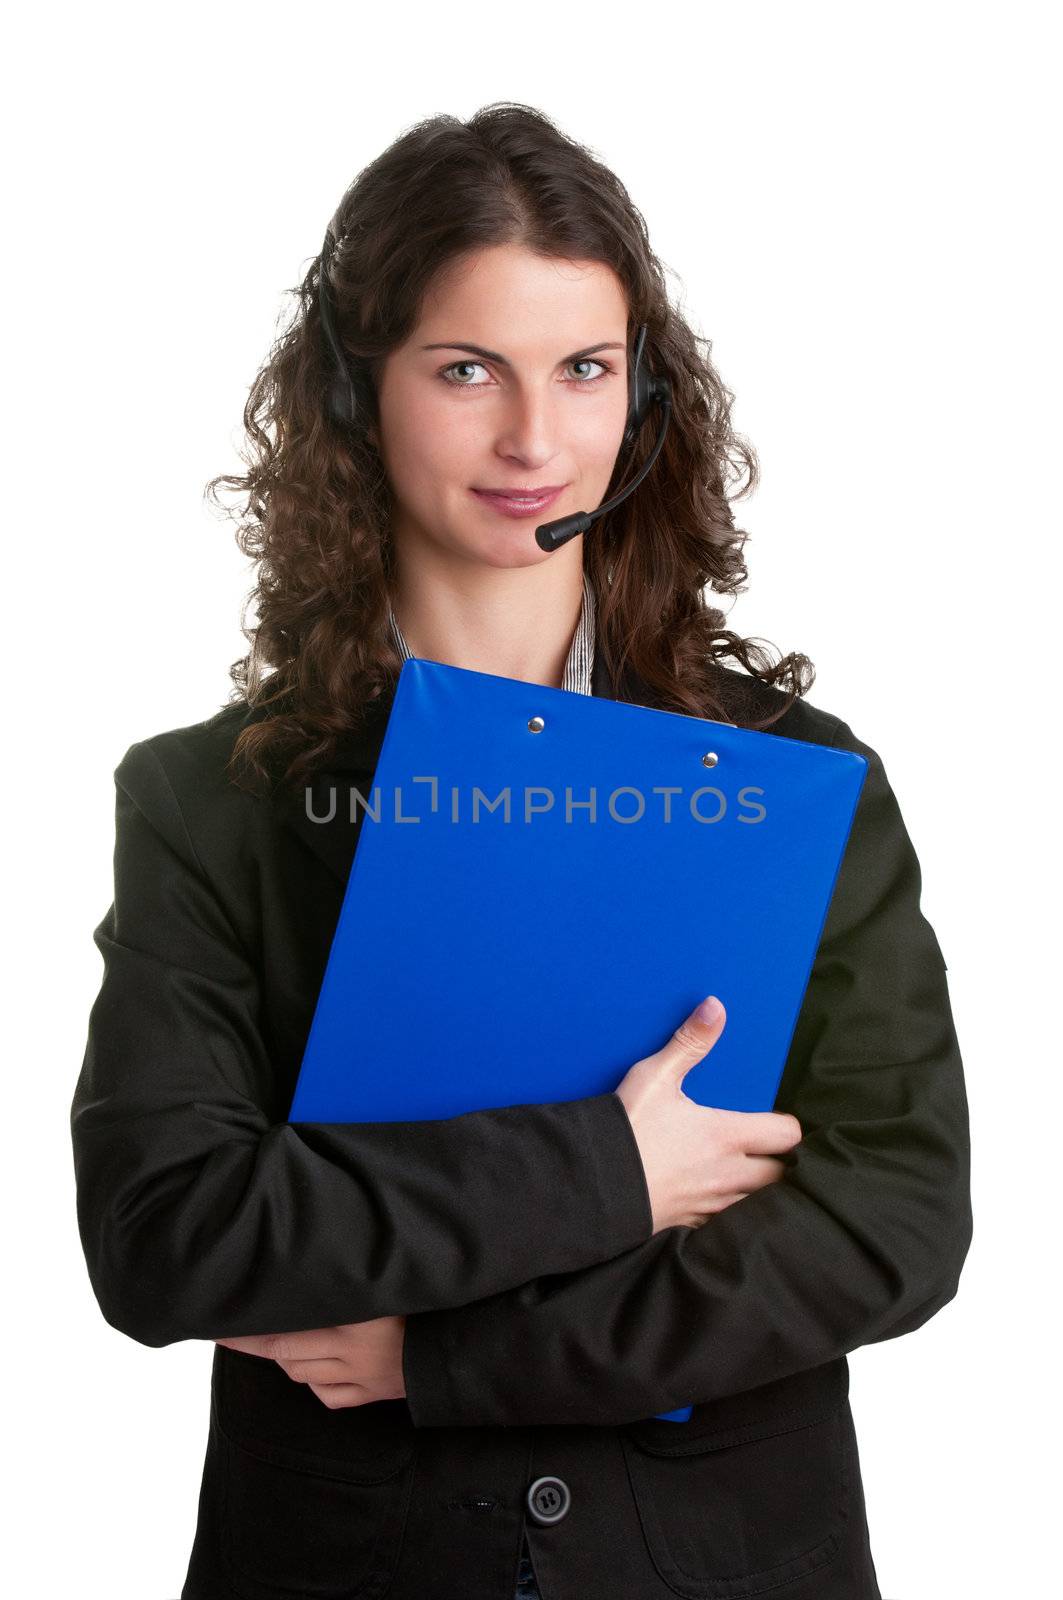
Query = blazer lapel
x=321 y=812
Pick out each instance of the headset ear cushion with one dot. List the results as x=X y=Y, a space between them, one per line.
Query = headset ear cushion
x=340 y=401
x=641 y=387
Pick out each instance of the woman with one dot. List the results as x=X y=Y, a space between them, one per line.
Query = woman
x=442 y=1348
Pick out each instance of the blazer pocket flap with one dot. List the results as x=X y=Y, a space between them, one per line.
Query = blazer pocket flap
x=797 y=1401
x=271 y=1416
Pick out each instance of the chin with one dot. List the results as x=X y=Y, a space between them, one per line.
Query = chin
x=512 y=547
x=505 y=559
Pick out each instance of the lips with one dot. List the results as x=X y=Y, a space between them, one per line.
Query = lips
x=520 y=494
x=524 y=503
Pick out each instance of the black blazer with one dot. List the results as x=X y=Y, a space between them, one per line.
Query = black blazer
x=545 y=1326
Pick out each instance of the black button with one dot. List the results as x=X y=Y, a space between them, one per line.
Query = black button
x=548 y=1500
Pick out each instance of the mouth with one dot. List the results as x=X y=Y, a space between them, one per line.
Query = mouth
x=519 y=502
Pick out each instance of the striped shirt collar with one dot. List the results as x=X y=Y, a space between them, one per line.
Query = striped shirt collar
x=579 y=667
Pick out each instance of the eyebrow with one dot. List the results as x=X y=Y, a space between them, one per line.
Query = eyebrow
x=493 y=355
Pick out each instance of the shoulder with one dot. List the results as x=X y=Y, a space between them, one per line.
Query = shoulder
x=878 y=886
x=747 y=699
x=179 y=779
x=186 y=832
x=198 y=751
x=750 y=700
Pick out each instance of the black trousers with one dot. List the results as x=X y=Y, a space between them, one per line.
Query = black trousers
x=527 y=1588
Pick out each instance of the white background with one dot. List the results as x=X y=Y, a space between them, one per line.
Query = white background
x=855 y=205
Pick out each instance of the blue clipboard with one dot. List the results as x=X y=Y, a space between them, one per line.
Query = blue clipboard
x=591 y=867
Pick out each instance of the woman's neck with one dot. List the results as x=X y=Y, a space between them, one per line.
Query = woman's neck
x=512 y=624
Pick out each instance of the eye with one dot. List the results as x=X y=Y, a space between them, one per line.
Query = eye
x=580 y=361
x=453 y=367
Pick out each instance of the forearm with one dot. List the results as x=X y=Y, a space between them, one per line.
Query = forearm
x=793 y=1276
x=201 y=1218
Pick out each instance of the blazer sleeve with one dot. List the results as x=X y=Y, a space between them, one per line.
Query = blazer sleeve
x=861 y=1240
x=199 y=1219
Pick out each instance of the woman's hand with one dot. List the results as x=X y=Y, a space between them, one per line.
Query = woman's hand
x=699 y=1160
x=345 y=1366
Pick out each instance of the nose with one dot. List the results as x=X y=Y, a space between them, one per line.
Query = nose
x=529 y=431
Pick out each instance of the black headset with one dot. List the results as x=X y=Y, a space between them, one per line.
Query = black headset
x=646 y=390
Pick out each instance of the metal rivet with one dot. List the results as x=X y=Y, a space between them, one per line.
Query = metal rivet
x=536 y=725
x=709 y=759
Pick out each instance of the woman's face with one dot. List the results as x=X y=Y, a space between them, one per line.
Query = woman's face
x=532 y=412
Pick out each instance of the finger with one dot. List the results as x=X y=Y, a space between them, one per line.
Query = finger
x=325 y=1370
x=338 y=1395
x=765 y=1132
x=249 y=1343
x=304 y=1345
x=721 y=1203
x=758 y=1171
x=691 y=1041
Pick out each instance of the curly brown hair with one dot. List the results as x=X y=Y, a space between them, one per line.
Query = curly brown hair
x=316 y=500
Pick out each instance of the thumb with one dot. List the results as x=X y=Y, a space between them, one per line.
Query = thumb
x=693 y=1038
